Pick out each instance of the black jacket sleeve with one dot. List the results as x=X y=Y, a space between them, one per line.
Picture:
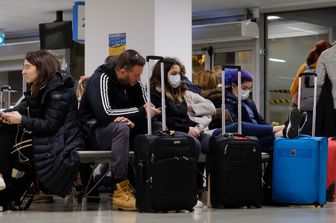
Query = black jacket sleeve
x=177 y=118
x=53 y=117
x=97 y=98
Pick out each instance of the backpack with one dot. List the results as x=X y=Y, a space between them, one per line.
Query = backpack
x=19 y=192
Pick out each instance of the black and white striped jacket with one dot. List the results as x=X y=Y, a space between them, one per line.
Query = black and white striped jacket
x=105 y=98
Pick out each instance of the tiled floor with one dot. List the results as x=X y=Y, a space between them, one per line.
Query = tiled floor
x=101 y=213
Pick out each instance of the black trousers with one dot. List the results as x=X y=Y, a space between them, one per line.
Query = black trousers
x=7 y=138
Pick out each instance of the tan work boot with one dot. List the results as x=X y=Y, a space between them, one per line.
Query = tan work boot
x=123 y=198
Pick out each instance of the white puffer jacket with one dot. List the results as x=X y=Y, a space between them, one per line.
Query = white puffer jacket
x=202 y=108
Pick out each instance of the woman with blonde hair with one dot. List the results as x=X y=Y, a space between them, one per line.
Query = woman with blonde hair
x=206 y=80
x=83 y=82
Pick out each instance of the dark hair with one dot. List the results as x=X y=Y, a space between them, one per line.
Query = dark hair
x=174 y=94
x=128 y=59
x=47 y=66
x=315 y=53
x=231 y=76
x=155 y=79
x=110 y=59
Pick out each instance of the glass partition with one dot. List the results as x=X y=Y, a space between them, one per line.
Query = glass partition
x=288 y=43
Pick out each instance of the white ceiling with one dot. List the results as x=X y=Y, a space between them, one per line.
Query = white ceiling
x=23 y=16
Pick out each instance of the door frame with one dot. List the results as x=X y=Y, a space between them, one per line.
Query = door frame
x=236 y=46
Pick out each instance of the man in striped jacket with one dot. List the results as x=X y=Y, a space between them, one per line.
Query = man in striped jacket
x=116 y=99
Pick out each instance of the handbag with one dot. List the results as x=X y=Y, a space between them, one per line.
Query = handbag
x=21 y=152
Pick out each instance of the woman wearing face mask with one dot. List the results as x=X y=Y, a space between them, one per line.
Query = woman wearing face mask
x=176 y=106
x=253 y=124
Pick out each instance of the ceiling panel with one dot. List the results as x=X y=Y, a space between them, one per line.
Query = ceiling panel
x=19 y=16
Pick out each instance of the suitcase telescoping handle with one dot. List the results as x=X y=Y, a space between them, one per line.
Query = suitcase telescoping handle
x=163 y=99
x=239 y=97
x=314 y=100
x=2 y=89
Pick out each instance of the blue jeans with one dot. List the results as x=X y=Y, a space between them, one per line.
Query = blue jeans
x=264 y=133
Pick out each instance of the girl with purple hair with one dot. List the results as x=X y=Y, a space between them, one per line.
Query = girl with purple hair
x=253 y=124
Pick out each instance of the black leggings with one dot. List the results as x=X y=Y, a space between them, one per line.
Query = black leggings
x=7 y=137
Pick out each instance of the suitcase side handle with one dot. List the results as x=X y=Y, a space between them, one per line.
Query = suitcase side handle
x=231 y=67
x=153 y=57
x=307 y=74
x=5 y=87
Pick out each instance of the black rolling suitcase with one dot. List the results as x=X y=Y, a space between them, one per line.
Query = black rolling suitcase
x=165 y=166
x=235 y=164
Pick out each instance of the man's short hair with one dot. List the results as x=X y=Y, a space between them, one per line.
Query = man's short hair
x=129 y=59
x=110 y=59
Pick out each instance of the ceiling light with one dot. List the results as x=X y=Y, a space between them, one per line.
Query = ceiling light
x=302 y=30
x=273 y=17
x=277 y=60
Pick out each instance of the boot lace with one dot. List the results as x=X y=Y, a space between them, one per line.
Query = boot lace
x=128 y=191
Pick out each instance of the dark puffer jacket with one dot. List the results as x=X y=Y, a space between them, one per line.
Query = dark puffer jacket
x=231 y=103
x=52 y=118
x=177 y=113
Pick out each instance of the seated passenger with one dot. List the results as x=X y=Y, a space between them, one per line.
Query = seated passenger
x=187 y=112
x=113 y=105
x=49 y=112
x=176 y=105
x=253 y=123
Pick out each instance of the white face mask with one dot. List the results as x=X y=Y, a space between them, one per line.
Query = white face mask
x=174 y=80
x=245 y=94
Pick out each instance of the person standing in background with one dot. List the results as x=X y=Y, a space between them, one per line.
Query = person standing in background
x=311 y=63
x=326 y=106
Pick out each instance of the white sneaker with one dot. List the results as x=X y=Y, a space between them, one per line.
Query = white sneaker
x=2 y=183
x=199 y=204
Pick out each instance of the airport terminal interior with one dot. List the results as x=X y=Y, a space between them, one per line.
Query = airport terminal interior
x=60 y=212
x=269 y=38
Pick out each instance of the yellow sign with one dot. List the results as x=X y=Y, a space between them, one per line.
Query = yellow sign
x=117 y=43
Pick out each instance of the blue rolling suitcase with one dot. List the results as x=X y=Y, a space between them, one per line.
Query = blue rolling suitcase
x=300 y=167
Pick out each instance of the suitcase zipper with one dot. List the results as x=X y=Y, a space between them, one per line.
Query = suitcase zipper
x=152 y=158
x=225 y=150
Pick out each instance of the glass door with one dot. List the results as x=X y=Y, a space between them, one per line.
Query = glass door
x=290 y=37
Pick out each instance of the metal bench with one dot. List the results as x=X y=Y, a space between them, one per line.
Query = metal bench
x=96 y=157
x=100 y=156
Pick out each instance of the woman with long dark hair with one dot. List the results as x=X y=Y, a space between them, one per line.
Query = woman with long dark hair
x=48 y=112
